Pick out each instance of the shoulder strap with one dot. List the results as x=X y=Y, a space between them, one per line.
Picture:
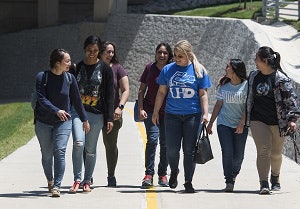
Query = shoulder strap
x=69 y=78
x=45 y=78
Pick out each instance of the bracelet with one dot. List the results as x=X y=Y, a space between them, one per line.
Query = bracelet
x=211 y=121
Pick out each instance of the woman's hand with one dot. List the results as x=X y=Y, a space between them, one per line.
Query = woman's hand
x=209 y=128
x=292 y=126
x=143 y=115
x=155 y=118
x=117 y=113
x=109 y=126
x=63 y=115
x=86 y=126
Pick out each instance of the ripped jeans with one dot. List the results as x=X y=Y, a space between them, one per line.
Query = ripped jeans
x=88 y=141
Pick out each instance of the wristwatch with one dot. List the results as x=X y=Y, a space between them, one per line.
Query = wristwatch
x=121 y=106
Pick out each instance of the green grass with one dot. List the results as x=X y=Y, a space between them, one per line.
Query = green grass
x=16 y=126
x=293 y=23
x=234 y=10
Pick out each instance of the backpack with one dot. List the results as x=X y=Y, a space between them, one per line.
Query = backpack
x=44 y=80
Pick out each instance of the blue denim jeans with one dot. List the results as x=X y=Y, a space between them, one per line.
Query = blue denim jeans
x=182 y=129
x=233 y=149
x=53 y=143
x=153 y=134
x=88 y=141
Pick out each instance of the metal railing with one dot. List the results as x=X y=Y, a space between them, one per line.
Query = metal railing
x=275 y=9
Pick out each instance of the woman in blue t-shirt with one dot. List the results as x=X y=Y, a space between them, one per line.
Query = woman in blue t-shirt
x=230 y=109
x=185 y=84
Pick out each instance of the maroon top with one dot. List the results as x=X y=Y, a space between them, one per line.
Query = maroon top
x=119 y=72
x=149 y=77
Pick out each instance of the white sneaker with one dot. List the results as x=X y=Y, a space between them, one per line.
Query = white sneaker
x=55 y=192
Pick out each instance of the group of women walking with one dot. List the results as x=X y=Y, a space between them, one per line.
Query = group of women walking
x=172 y=103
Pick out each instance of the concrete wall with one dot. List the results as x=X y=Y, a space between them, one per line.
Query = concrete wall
x=215 y=41
x=25 y=53
x=17 y=15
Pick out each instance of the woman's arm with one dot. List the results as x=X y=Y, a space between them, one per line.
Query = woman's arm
x=204 y=104
x=142 y=90
x=124 y=87
x=160 y=96
x=215 y=113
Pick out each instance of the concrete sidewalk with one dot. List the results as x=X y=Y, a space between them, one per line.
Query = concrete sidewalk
x=23 y=184
x=283 y=39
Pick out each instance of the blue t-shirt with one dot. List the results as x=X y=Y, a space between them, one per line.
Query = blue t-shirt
x=234 y=101
x=183 y=96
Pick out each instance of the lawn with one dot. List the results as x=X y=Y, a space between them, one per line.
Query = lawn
x=16 y=126
x=233 y=10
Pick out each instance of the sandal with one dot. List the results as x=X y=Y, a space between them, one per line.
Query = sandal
x=75 y=187
x=86 y=187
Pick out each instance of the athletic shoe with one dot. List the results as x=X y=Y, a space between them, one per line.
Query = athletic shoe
x=147 y=181
x=111 y=181
x=50 y=185
x=264 y=188
x=173 y=180
x=163 y=181
x=275 y=185
x=188 y=187
x=229 y=187
x=55 y=192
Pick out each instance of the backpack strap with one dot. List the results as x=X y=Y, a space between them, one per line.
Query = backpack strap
x=69 y=78
x=45 y=77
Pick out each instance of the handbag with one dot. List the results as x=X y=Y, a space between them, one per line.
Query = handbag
x=136 y=112
x=203 y=151
x=296 y=148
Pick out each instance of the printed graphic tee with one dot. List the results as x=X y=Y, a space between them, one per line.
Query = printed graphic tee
x=183 y=85
x=234 y=101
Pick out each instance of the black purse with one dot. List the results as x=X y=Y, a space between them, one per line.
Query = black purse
x=203 y=151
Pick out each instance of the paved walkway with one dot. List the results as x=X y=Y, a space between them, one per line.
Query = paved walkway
x=23 y=184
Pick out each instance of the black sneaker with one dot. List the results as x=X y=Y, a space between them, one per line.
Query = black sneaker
x=92 y=181
x=111 y=181
x=173 y=180
x=275 y=185
x=264 y=188
x=147 y=181
x=229 y=187
x=189 y=187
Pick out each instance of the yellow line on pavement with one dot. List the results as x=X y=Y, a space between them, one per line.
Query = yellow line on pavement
x=151 y=199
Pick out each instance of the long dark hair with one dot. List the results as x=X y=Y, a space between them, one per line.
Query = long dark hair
x=273 y=58
x=92 y=40
x=239 y=68
x=169 y=50
x=104 y=44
